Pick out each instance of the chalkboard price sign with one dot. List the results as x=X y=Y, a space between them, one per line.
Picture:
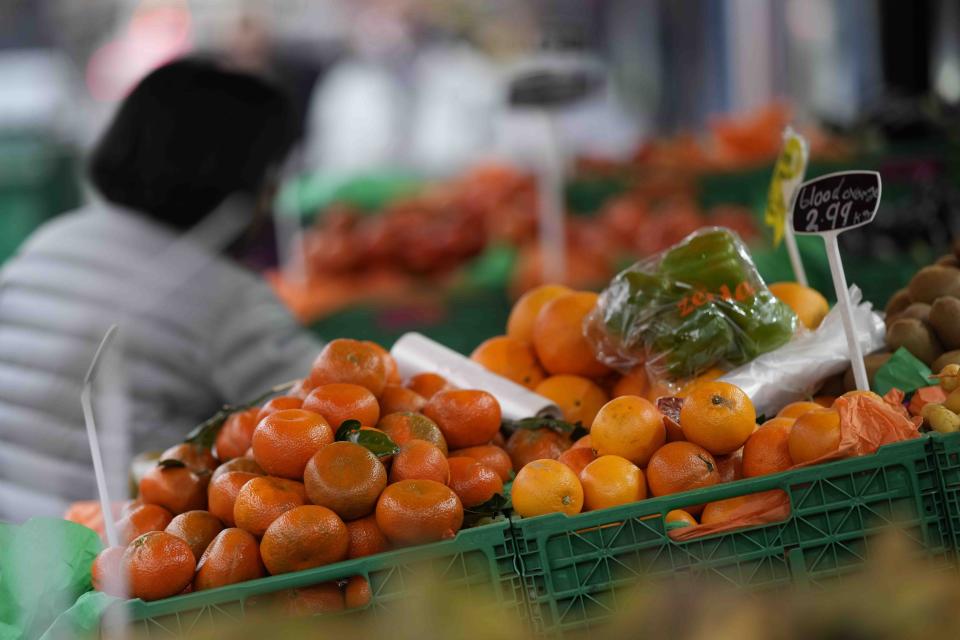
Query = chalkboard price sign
x=836 y=202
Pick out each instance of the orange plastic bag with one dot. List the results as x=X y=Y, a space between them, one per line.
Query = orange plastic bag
x=865 y=426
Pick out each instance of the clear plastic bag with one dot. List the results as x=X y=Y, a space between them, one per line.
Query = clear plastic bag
x=699 y=305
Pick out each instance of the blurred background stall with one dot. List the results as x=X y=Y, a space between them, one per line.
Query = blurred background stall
x=408 y=133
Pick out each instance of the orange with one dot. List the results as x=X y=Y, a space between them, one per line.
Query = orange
x=405 y=426
x=632 y=383
x=610 y=481
x=418 y=511
x=524 y=314
x=285 y=441
x=263 y=499
x=473 y=482
x=223 y=491
x=357 y=594
x=718 y=416
x=428 y=384
x=232 y=557
x=870 y=394
x=142 y=519
x=249 y=465
x=310 y=601
x=303 y=538
x=396 y=398
x=630 y=427
x=389 y=364
x=349 y=361
x=106 y=573
x=366 y=539
x=558 y=337
x=158 y=565
x=235 y=435
x=678 y=518
x=814 y=434
x=577 y=458
x=199 y=459
x=825 y=401
x=526 y=445
x=809 y=305
x=420 y=460
x=797 y=409
x=586 y=441
x=578 y=398
x=707 y=376
x=767 y=449
x=681 y=466
x=492 y=456
x=724 y=510
x=277 y=404
x=196 y=528
x=346 y=478
x=176 y=489
x=339 y=402
x=466 y=417
x=510 y=358
x=546 y=486
x=779 y=421
x=730 y=466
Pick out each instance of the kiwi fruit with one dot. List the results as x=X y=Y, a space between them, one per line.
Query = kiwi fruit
x=948 y=260
x=950 y=357
x=930 y=283
x=944 y=317
x=872 y=362
x=918 y=310
x=916 y=337
x=898 y=302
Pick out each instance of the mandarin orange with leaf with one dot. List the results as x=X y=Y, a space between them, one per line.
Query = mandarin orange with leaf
x=346 y=478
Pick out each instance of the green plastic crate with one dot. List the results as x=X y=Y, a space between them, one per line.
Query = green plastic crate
x=946 y=454
x=479 y=561
x=579 y=571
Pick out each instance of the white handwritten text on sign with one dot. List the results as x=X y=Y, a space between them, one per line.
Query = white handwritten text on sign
x=836 y=202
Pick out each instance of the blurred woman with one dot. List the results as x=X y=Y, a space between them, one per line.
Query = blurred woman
x=179 y=173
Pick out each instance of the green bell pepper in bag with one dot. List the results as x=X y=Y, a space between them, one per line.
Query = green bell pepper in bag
x=699 y=305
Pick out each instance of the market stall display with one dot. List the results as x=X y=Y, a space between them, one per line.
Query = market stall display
x=312 y=500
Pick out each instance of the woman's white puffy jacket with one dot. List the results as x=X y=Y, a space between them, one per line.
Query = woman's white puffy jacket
x=195 y=331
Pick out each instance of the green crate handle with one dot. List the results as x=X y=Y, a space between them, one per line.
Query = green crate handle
x=788 y=481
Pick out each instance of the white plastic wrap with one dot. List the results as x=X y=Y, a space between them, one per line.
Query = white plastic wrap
x=416 y=353
x=795 y=370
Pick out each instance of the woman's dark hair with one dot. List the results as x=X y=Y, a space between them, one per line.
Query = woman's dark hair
x=189 y=135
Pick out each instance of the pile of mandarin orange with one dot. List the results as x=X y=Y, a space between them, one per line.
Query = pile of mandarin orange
x=279 y=493
x=632 y=450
